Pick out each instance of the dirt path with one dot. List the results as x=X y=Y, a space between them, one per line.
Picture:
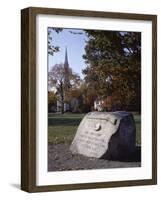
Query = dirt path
x=60 y=158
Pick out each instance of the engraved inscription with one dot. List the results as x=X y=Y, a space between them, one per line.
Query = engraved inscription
x=93 y=137
x=91 y=141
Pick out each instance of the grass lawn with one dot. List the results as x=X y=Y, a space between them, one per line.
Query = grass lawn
x=137 y=119
x=62 y=128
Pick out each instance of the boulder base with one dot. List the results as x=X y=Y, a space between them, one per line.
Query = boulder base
x=108 y=135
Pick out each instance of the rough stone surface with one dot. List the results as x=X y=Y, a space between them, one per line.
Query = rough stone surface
x=108 y=135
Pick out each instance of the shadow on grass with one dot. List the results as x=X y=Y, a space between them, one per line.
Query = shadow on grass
x=64 y=121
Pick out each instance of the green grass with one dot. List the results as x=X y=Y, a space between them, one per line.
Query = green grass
x=137 y=119
x=62 y=128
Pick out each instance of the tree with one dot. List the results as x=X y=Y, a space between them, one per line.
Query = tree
x=85 y=95
x=52 y=99
x=57 y=80
x=51 y=48
x=114 y=65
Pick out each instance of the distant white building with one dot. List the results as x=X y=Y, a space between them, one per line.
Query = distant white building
x=98 y=105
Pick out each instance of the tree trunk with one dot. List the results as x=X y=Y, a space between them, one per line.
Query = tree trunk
x=62 y=99
x=62 y=104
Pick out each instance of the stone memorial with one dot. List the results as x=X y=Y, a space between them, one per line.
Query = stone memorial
x=108 y=135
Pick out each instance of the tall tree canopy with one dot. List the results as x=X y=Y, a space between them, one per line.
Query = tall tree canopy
x=57 y=80
x=114 y=65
